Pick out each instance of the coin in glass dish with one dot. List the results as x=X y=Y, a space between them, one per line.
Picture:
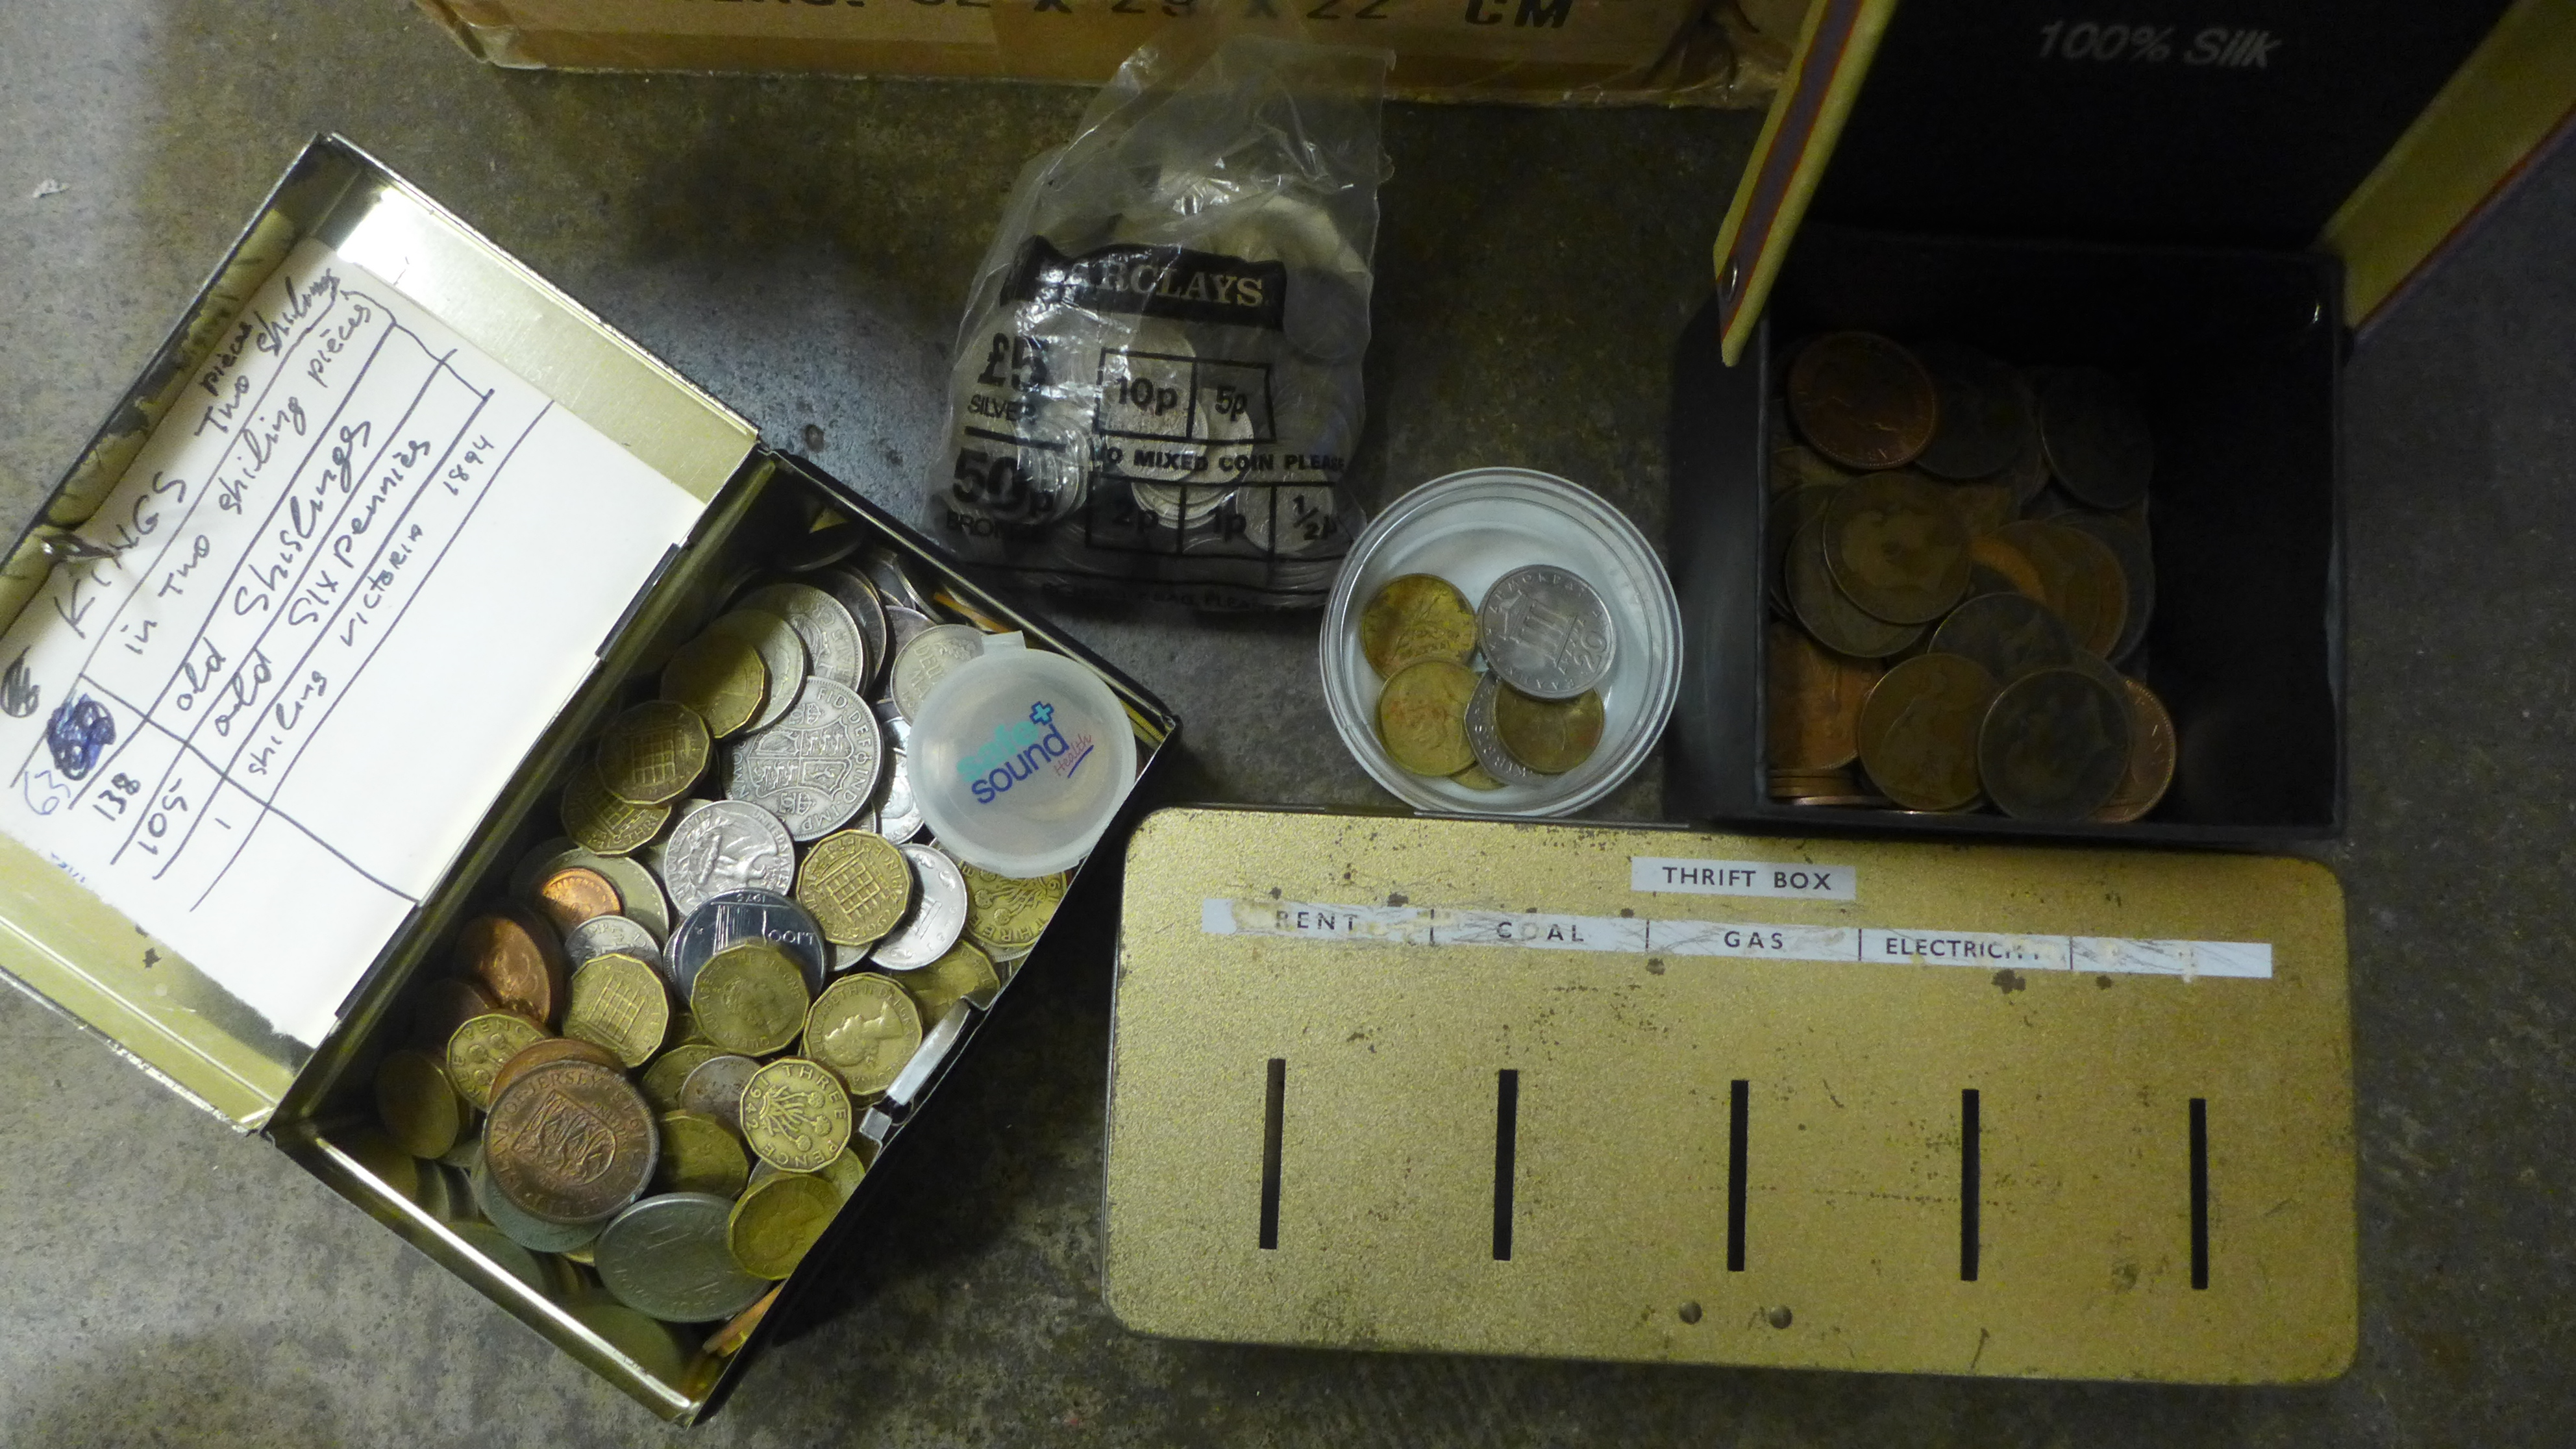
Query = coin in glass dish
x=815 y=767
x=834 y=647
x=1416 y=616
x=571 y=1142
x=865 y=1028
x=796 y=1115
x=738 y=916
x=667 y=1257
x=1550 y=736
x=2054 y=746
x=1918 y=731
x=1485 y=740
x=2010 y=634
x=1546 y=632
x=1896 y=547
x=938 y=915
x=1422 y=717
x=729 y=845
x=1862 y=400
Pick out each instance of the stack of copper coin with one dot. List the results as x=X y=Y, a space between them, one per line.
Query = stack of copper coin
x=1958 y=557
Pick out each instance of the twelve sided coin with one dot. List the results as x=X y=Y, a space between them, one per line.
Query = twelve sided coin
x=746 y=915
x=796 y=1115
x=619 y=1002
x=865 y=1028
x=720 y=677
x=651 y=754
x=1007 y=914
x=856 y=884
x=750 y=998
x=782 y=658
x=1546 y=632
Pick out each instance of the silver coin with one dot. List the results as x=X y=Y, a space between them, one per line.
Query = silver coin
x=666 y=1257
x=904 y=625
x=938 y=913
x=1177 y=505
x=714 y=1088
x=652 y=853
x=782 y=656
x=1288 y=520
x=727 y=846
x=520 y=1226
x=859 y=596
x=898 y=816
x=815 y=768
x=823 y=547
x=1486 y=738
x=834 y=649
x=602 y=934
x=884 y=569
x=1546 y=632
x=739 y=916
x=639 y=895
x=898 y=730
x=928 y=658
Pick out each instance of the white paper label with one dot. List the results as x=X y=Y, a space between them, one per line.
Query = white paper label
x=1964 y=948
x=1778 y=879
x=356 y=570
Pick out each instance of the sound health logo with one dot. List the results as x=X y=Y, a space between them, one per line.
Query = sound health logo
x=1020 y=749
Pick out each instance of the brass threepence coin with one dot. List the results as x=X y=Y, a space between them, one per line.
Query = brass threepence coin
x=1006 y=914
x=1422 y=717
x=750 y=998
x=1545 y=632
x=1862 y=401
x=1416 y=617
x=551 y=1049
x=865 y=1029
x=620 y=1002
x=2151 y=758
x=1896 y=547
x=442 y=1006
x=1550 y=736
x=571 y=1142
x=417 y=1104
x=857 y=885
x=1837 y=622
x=782 y=658
x=699 y=1154
x=600 y=821
x=1790 y=512
x=661 y=1082
x=2078 y=577
x=1985 y=411
x=667 y=1257
x=574 y=894
x=2009 y=634
x=652 y=753
x=715 y=1089
x=776 y=1223
x=2128 y=544
x=720 y=679
x=2055 y=746
x=796 y=1115
x=517 y=959
x=2098 y=441
x=965 y=973
x=1813 y=700
x=1918 y=732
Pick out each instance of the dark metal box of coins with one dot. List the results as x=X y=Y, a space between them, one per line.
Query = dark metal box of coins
x=423 y=701
x=2006 y=489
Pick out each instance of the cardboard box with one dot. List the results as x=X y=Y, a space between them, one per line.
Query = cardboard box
x=296 y=1065
x=1669 y=52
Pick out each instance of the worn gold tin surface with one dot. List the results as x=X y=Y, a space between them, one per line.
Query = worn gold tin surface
x=1349 y=970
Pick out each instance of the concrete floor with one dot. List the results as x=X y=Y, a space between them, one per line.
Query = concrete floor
x=800 y=247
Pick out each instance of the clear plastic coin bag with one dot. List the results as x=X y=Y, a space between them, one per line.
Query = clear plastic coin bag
x=1156 y=390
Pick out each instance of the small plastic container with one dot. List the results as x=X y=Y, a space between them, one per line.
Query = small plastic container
x=1472 y=528
x=1019 y=759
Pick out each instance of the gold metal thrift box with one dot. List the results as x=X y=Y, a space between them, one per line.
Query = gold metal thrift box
x=297 y=656
x=1645 y=1094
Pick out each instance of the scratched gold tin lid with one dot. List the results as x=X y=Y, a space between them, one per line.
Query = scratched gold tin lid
x=58 y=939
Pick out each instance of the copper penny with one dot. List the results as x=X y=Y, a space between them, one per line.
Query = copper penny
x=2151 y=758
x=2128 y=543
x=517 y=959
x=2078 y=577
x=1862 y=401
x=1918 y=731
x=1985 y=412
x=2055 y=745
x=1896 y=547
x=575 y=894
x=571 y=1142
x=1837 y=622
x=442 y=1006
x=2007 y=633
x=1789 y=512
x=552 y=1049
x=1983 y=507
x=1813 y=702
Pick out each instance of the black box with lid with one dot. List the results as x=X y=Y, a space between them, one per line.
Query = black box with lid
x=2146 y=197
